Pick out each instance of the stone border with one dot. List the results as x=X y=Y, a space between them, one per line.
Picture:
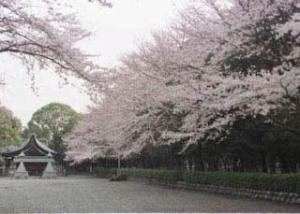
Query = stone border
x=291 y=198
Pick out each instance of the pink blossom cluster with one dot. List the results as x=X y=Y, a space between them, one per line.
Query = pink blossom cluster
x=216 y=63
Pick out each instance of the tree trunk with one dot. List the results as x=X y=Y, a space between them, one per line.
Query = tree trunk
x=264 y=162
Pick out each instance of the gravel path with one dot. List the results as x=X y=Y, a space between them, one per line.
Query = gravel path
x=82 y=194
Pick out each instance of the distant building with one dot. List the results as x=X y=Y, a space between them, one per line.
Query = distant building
x=32 y=159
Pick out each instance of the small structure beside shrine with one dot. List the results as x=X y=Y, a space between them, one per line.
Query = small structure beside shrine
x=31 y=159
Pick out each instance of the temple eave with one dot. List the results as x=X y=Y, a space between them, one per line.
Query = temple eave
x=33 y=159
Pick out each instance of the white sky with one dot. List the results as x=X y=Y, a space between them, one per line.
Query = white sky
x=116 y=31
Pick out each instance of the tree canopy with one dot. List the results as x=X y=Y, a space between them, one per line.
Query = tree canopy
x=54 y=119
x=10 y=128
x=217 y=64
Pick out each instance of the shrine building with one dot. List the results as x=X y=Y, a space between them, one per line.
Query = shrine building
x=32 y=159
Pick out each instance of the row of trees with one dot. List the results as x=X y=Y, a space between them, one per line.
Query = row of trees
x=252 y=145
x=206 y=82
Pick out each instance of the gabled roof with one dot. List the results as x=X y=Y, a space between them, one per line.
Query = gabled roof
x=31 y=144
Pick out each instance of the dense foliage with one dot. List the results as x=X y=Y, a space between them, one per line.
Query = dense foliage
x=51 y=122
x=252 y=145
x=10 y=128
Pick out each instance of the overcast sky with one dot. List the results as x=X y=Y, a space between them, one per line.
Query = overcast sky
x=115 y=32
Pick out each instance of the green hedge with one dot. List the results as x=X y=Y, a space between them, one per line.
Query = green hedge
x=257 y=181
x=164 y=176
x=103 y=172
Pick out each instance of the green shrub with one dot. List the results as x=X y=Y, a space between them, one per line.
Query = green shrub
x=164 y=176
x=103 y=172
x=257 y=181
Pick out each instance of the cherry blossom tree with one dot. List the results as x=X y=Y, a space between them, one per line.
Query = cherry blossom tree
x=41 y=33
x=195 y=79
x=104 y=3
